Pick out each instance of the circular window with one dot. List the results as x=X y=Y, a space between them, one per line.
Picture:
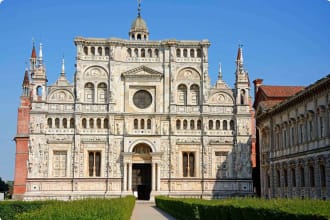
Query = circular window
x=142 y=99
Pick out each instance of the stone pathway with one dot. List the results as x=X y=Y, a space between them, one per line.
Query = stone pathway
x=145 y=210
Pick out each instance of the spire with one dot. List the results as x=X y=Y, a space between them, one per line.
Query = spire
x=33 y=58
x=139 y=8
x=40 y=59
x=220 y=72
x=240 y=53
x=63 y=67
x=33 y=54
x=26 y=83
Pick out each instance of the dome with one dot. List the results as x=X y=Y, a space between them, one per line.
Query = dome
x=139 y=25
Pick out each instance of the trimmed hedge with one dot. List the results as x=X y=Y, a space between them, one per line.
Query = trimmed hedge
x=245 y=209
x=119 y=209
x=8 y=209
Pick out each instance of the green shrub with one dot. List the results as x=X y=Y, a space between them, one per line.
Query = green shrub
x=119 y=209
x=245 y=209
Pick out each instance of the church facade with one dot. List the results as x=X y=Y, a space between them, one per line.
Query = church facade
x=140 y=117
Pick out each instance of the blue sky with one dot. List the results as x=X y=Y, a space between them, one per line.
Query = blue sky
x=286 y=42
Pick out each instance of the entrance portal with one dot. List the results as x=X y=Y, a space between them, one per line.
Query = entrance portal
x=141 y=180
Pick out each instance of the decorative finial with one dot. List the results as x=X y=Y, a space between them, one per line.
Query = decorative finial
x=26 y=66
x=40 y=51
x=139 y=8
x=220 y=71
x=63 y=67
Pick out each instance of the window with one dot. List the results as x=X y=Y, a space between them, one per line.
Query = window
x=99 y=50
x=136 y=124
x=71 y=123
x=293 y=177
x=278 y=178
x=242 y=97
x=91 y=123
x=57 y=123
x=94 y=163
x=185 y=53
x=93 y=50
x=188 y=160
x=89 y=93
x=285 y=177
x=292 y=136
x=192 y=124
x=268 y=180
x=84 y=123
x=149 y=124
x=50 y=123
x=107 y=51
x=301 y=137
x=59 y=163
x=106 y=123
x=302 y=177
x=65 y=123
x=321 y=127
x=86 y=50
x=143 y=53
x=136 y=52
x=217 y=124
x=185 y=124
x=210 y=124
x=102 y=92
x=322 y=175
x=149 y=53
x=194 y=94
x=178 y=124
x=311 y=176
x=310 y=123
x=178 y=53
x=39 y=91
x=224 y=125
x=182 y=95
x=157 y=53
x=192 y=53
x=129 y=52
x=199 y=53
x=142 y=124
x=199 y=124
x=232 y=125
x=98 y=123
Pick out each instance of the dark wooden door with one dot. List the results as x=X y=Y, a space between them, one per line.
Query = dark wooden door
x=141 y=180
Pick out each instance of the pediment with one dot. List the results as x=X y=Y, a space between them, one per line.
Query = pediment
x=60 y=95
x=142 y=73
x=221 y=98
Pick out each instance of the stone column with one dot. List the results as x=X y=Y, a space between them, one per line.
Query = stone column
x=125 y=177
x=153 y=179
x=158 y=177
x=130 y=176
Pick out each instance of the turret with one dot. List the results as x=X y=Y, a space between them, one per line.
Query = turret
x=242 y=84
x=38 y=76
x=26 y=84
x=139 y=29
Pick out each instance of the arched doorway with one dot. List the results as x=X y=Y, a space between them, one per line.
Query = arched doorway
x=141 y=171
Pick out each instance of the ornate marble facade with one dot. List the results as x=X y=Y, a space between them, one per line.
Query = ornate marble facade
x=140 y=117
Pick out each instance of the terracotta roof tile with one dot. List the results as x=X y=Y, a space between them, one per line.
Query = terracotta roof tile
x=280 y=91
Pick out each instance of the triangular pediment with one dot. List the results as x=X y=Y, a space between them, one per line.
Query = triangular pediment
x=142 y=73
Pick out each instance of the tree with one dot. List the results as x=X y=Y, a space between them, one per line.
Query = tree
x=4 y=187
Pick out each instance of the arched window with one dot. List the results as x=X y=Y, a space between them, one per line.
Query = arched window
x=107 y=51
x=149 y=124
x=178 y=124
x=106 y=123
x=39 y=91
x=156 y=53
x=188 y=164
x=50 y=122
x=185 y=124
x=224 y=125
x=242 y=97
x=192 y=53
x=293 y=177
x=86 y=50
x=136 y=52
x=98 y=123
x=232 y=125
x=89 y=93
x=91 y=123
x=129 y=52
x=217 y=124
x=84 y=123
x=210 y=124
x=192 y=124
x=311 y=176
x=302 y=177
x=136 y=124
x=149 y=53
x=182 y=95
x=102 y=92
x=65 y=123
x=285 y=172
x=99 y=51
x=178 y=53
x=71 y=123
x=93 y=50
x=142 y=124
x=143 y=53
x=142 y=149
x=139 y=36
x=199 y=53
x=199 y=124
x=323 y=175
x=185 y=53
x=194 y=94
x=57 y=123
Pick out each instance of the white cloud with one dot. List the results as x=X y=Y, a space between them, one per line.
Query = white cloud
x=1 y=1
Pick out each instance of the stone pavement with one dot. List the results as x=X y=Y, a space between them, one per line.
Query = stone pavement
x=145 y=210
